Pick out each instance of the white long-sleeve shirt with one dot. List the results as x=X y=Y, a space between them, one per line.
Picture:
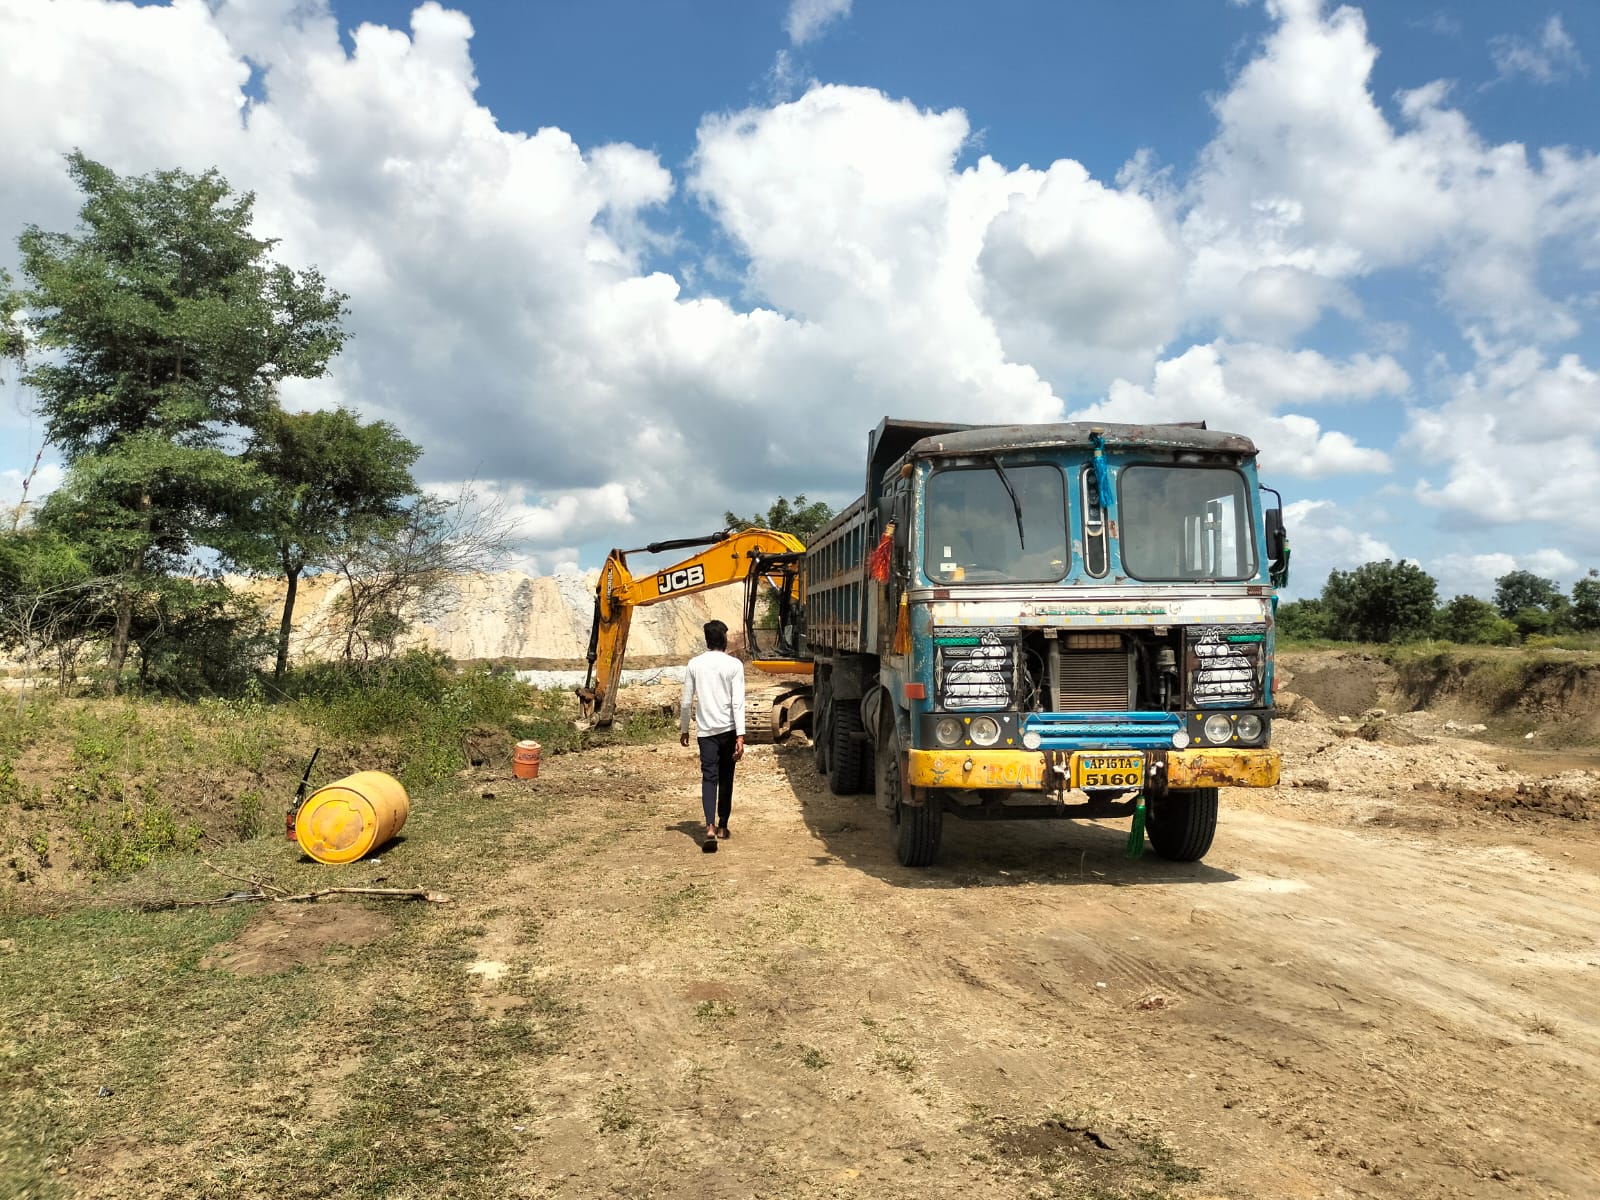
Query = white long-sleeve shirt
x=713 y=684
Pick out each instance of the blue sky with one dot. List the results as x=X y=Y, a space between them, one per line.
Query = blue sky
x=629 y=264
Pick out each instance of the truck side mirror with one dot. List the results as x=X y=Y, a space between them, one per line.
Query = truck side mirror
x=1276 y=537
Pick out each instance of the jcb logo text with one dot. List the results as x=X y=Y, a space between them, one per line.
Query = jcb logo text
x=676 y=581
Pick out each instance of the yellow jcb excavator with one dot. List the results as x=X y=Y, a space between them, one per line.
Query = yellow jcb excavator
x=768 y=563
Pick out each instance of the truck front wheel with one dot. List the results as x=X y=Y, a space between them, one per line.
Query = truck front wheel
x=1182 y=824
x=918 y=829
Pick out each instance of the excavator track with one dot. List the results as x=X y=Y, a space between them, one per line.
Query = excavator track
x=772 y=713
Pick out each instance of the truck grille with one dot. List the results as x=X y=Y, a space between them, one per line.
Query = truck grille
x=1094 y=682
x=977 y=676
x=1225 y=670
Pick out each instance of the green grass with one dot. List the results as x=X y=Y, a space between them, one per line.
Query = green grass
x=368 y=1074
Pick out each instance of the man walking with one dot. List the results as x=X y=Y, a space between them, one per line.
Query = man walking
x=714 y=685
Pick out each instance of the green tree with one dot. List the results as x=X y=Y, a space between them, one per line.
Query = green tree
x=795 y=516
x=326 y=481
x=1468 y=620
x=1380 y=602
x=167 y=329
x=11 y=343
x=1523 y=589
x=197 y=637
x=1586 y=602
x=1303 y=620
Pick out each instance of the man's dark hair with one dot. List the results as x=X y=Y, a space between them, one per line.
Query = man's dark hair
x=716 y=635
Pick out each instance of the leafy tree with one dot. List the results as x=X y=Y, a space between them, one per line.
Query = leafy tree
x=1304 y=620
x=326 y=480
x=168 y=330
x=197 y=637
x=1531 y=622
x=1523 y=589
x=1468 y=619
x=1586 y=602
x=11 y=343
x=795 y=516
x=1380 y=602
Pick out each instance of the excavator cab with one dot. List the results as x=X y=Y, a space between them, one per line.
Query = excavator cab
x=775 y=614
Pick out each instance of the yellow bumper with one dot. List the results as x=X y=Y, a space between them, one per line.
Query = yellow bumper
x=1026 y=770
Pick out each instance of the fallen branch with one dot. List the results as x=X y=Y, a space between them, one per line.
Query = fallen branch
x=258 y=885
x=283 y=897
x=383 y=893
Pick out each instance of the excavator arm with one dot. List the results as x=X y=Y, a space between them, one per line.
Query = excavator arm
x=749 y=556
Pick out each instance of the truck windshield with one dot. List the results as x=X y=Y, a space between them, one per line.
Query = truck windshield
x=1182 y=522
x=971 y=533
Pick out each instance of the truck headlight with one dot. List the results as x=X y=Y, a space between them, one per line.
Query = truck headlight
x=947 y=732
x=985 y=731
x=1218 y=729
x=1248 y=727
x=1031 y=739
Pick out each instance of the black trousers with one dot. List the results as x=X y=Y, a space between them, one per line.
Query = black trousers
x=716 y=776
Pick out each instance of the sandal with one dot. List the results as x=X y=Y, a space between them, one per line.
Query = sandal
x=722 y=831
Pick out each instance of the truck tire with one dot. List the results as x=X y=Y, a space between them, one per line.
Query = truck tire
x=847 y=751
x=917 y=831
x=1182 y=824
x=917 y=827
x=821 y=717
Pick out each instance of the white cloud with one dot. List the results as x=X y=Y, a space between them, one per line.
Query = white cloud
x=1081 y=276
x=1515 y=442
x=1323 y=538
x=1475 y=574
x=45 y=480
x=1549 y=58
x=1308 y=188
x=808 y=18
x=1199 y=385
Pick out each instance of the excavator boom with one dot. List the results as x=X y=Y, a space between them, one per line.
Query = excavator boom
x=752 y=557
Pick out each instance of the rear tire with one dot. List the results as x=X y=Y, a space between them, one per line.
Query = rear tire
x=847 y=751
x=1182 y=824
x=822 y=736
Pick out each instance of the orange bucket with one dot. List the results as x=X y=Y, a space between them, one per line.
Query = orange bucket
x=525 y=760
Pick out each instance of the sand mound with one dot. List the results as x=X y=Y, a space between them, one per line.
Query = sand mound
x=534 y=621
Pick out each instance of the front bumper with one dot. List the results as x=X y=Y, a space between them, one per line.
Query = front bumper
x=1048 y=770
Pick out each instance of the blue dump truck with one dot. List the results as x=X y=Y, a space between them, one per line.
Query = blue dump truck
x=1048 y=621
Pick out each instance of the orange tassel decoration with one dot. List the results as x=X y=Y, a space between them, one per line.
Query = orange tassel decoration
x=878 y=560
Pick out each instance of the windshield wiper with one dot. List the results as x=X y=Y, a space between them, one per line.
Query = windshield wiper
x=1015 y=503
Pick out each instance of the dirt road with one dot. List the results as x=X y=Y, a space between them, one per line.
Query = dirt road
x=1359 y=993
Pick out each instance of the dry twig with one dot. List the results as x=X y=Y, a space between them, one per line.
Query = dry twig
x=261 y=890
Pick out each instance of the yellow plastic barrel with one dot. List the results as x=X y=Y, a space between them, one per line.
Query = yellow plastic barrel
x=525 y=760
x=352 y=816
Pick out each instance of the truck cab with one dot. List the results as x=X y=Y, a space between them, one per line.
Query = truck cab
x=1047 y=621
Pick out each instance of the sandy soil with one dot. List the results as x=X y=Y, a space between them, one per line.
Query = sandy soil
x=1366 y=990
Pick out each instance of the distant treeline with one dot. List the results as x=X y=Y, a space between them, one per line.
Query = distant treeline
x=1399 y=602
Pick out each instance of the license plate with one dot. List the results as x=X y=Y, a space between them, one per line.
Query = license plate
x=1094 y=770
